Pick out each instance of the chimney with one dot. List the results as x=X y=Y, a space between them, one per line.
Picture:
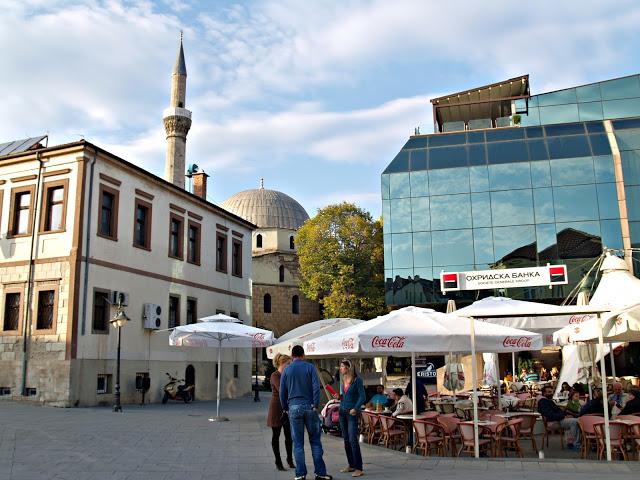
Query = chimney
x=199 y=179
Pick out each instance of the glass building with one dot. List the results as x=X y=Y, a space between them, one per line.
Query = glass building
x=513 y=180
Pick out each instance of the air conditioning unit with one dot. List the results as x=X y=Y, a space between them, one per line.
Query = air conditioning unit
x=121 y=298
x=152 y=316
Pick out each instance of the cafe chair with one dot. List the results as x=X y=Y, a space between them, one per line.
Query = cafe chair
x=429 y=435
x=617 y=439
x=451 y=432
x=527 y=428
x=551 y=428
x=508 y=437
x=393 y=431
x=468 y=440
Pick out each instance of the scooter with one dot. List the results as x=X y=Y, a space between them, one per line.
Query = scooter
x=175 y=391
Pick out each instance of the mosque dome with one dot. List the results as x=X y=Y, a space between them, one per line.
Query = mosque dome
x=267 y=208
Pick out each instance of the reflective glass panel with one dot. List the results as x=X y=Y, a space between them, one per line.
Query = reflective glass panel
x=534 y=132
x=537 y=150
x=511 y=207
x=450 y=211
x=611 y=234
x=543 y=205
x=444 y=140
x=423 y=272
x=633 y=202
x=483 y=245
x=600 y=144
x=404 y=273
x=420 y=217
x=447 y=157
x=481 y=209
x=400 y=163
x=559 y=114
x=475 y=137
x=546 y=240
x=572 y=146
x=628 y=139
x=449 y=180
x=564 y=129
x=479 y=178
x=420 y=141
x=558 y=98
x=386 y=216
x=624 y=124
x=590 y=111
x=477 y=154
x=629 y=107
x=510 y=175
x=572 y=171
x=419 y=159
x=620 y=88
x=422 y=249
x=401 y=215
x=540 y=174
x=578 y=239
x=595 y=127
x=504 y=134
x=385 y=187
x=419 y=183
x=508 y=239
x=533 y=118
x=631 y=167
x=507 y=152
x=608 y=200
x=387 y=252
x=399 y=186
x=575 y=203
x=589 y=93
x=402 y=250
x=452 y=247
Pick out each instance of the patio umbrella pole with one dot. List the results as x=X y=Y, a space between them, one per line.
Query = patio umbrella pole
x=603 y=382
x=513 y=367
x=474 y=381
x=613 y=363
x=414 y=380
x=218 y=418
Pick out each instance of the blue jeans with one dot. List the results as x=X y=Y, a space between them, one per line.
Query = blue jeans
x=349 y=427
x=301 y=417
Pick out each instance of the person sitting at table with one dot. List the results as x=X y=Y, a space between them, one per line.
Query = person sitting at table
x=618 y=398
x=552 y=413
x=555 y=373
x=574 y=405
x=566 y=391
x=633 y=403
x=595 y=405
x=508 y=377
x=380 y=398
x=523 y=375
x=402 y=403
x=544 y=375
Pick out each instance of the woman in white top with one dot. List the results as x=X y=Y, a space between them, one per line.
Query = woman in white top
x=402 y=403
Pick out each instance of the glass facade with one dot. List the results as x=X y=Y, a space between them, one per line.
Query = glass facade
x=513 y=197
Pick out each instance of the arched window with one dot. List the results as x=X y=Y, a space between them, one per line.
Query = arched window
x=295 y=304
x=267 y=303
x=281 y=272
x=259 y=241
x=292 y=243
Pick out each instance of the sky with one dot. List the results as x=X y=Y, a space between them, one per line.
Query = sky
x=314 y=97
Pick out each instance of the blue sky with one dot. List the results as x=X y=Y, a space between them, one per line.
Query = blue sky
x=316 y=97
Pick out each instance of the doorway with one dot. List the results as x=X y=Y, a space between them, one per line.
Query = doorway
x=190 y=379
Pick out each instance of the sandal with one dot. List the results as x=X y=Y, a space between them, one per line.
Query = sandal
x=357 y=473
x=347 y=470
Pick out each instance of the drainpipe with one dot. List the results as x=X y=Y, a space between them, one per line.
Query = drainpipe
x=85 y=285
x=26 y=327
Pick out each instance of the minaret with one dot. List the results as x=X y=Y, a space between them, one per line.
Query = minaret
x=177 y=121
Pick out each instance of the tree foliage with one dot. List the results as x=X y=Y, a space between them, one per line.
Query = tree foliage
x=342 y=262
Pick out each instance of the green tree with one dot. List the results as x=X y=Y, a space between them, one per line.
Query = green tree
x=342 y=262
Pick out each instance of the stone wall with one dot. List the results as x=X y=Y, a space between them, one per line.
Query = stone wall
x=281 y=319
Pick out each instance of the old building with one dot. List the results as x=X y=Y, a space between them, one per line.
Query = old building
x=83 y=229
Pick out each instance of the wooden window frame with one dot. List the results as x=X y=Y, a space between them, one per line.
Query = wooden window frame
x=114 y=212
x=225 y=260
x=5 y=291
x=147 y=227
x=180 y=255
x=195 y=310
x=44 y=212
x=236 y=243
x=41 y=287
x=12 y=211
x=198 y=227
x=93 y=300
x=178 y=323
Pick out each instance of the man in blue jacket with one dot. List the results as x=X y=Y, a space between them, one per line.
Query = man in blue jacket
x=300 y=397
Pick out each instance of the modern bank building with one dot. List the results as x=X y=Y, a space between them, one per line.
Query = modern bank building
x=512 y=180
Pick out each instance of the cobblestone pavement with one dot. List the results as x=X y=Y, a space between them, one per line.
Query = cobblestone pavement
x=177 y=441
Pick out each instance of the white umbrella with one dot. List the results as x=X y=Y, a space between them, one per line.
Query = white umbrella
x=490 y=370
x=222 y=332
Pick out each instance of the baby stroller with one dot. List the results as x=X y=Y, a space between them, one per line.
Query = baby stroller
x=331 y=418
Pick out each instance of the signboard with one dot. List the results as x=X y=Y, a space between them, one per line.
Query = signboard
x=427 y=369
x=504 y=278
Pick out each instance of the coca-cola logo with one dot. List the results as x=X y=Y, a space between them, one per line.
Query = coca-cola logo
x=311 y=347
x=348 y=343
x=259 y=338
x=574 y=319
x=388 y=342
x=517 y=342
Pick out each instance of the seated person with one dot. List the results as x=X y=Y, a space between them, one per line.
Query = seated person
x=532 y=377
x=508 y=377
x=595 y=405
x=555 y=373
x=523 y=375
x=379 y=398
x=633 y=403
x=574 y=405
x=552 y=413
x=618 y=397
x=566 y=391
x=402 y=403
x=544 y=375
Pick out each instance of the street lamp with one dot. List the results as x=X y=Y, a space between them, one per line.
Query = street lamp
x=118 y=322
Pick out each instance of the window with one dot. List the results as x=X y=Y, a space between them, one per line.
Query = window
x=292 y=243
x=46 y=310
x=142 y=225
x=21 y=213
x=267 y=303
x=295 y=305
x=55 y=206
x=258 y=241
x=218 y=310
x=100 y=322
x=108 y=213
x=236 y=370
x=103 y=384
x=192 y=310
x=176 y=236
x=174 y=311
x=281 y=273
x=236 y=258
x=193 y=243
x=11 y=312
x=221 y=253
x=234 y=314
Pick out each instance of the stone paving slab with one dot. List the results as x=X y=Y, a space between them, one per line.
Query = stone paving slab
x=167 y=442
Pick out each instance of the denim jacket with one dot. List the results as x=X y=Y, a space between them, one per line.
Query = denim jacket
x=354 y=397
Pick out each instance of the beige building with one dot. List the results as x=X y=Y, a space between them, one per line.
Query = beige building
x=82 y=228
x=278 y=303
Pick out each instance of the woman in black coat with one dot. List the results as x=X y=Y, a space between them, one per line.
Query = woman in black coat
x=633 y=404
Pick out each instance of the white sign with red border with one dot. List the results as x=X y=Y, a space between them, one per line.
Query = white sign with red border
x=504 y=278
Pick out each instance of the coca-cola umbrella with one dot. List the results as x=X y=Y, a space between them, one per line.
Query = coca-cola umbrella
x=221 y=332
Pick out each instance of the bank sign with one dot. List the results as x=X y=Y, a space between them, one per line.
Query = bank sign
x=505 y=278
